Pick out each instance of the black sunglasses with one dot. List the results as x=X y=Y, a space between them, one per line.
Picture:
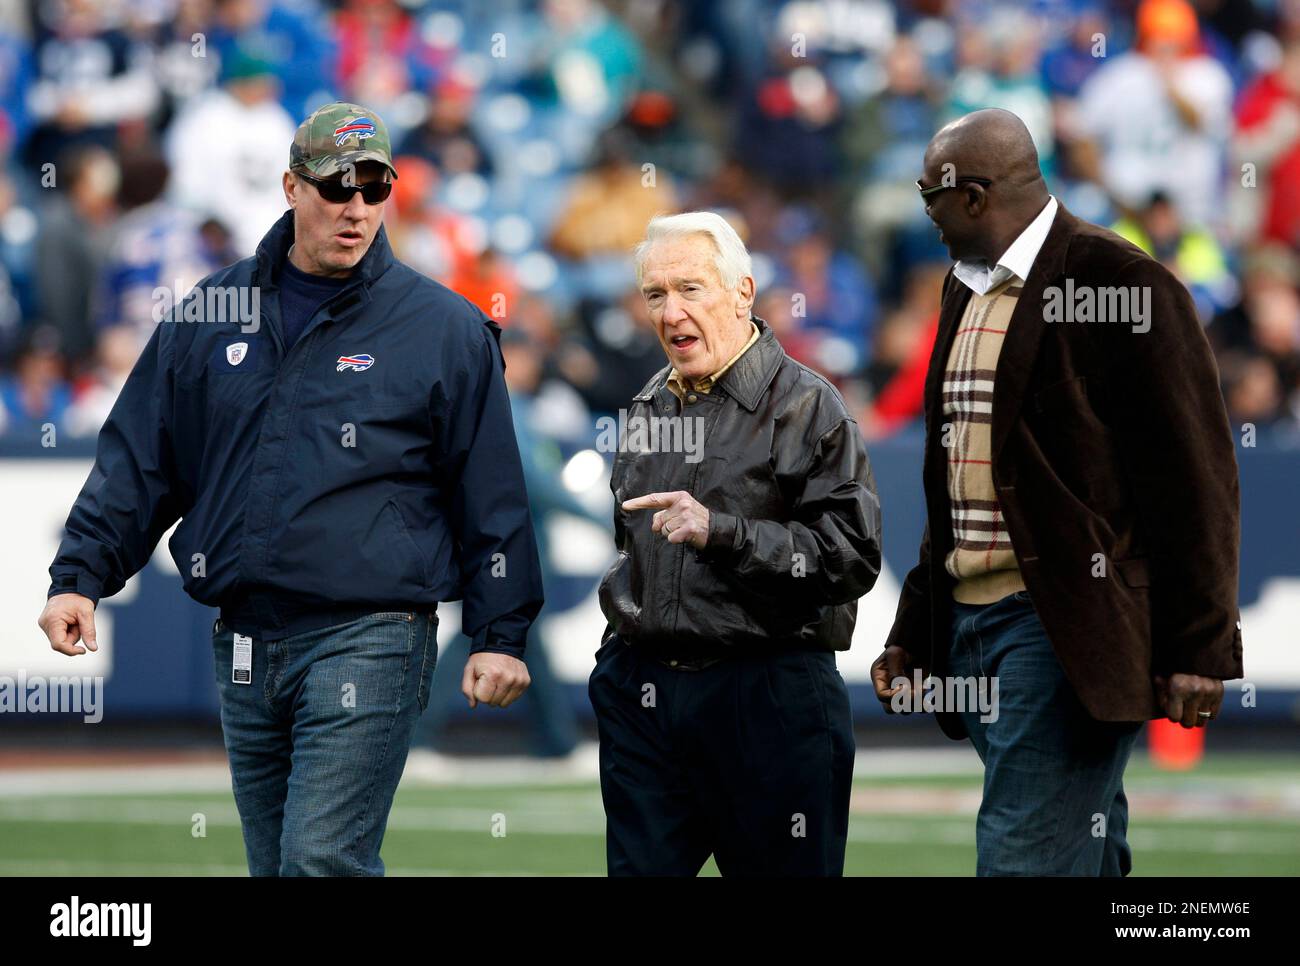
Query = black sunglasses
x=935 y=188
x=338 y=193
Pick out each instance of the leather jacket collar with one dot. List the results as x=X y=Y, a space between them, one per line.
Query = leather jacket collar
x=746 y=380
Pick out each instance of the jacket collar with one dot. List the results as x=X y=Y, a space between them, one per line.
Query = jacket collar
x=748 y=377
x=274 y=249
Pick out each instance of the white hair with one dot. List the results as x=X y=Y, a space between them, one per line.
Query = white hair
x=731 y=258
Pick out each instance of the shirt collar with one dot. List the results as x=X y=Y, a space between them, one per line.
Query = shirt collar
x=1016 y=261
x=679 y=385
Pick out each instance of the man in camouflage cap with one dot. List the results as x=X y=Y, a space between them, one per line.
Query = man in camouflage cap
x=339 y=148
x=342 y=459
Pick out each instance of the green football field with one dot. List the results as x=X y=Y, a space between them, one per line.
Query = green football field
x=1234 y=815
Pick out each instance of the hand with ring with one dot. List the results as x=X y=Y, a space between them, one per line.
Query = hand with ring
x=680 y=517
x=1191 y=700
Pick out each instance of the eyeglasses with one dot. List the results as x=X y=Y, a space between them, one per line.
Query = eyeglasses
x=936 y=188
x=338 y=193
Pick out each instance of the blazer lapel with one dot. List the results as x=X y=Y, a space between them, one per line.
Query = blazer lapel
x=934 y=471
x=950 y=313
x=1025 y=331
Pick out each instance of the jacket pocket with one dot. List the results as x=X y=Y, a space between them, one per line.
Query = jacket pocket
x=1135 y=571
x=402 y=534
x=1069 y=393
x=616 y=595
x=241 y=385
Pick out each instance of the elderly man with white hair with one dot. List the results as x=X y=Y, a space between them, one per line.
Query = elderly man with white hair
x=747 y=527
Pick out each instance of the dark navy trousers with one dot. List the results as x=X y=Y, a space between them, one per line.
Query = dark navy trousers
x=749 y=760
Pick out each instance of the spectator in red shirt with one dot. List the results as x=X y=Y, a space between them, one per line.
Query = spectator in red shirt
x=1268 y=136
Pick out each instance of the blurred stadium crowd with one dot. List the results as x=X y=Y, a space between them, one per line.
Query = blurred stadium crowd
x=144 y=142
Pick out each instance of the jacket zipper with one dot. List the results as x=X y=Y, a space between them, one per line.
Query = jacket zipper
x=681 y=547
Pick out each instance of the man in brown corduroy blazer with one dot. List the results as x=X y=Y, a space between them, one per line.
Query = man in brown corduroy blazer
x=1078 y=572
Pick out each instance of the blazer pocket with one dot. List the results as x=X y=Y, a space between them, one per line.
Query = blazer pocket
x=1071 y=392
x=1135 y=571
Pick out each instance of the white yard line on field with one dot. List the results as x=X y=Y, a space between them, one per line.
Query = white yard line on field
x=424 y=768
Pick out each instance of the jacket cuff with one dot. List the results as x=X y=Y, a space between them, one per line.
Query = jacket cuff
x=78 y=582
x=498 y=647
x=1220 y=659
x=724 y=528
x=485 y=642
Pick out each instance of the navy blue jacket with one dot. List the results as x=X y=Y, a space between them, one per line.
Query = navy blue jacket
x=373 y=466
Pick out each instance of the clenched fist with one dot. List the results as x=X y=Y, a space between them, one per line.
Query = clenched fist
x=494 y=679
x=67 y=619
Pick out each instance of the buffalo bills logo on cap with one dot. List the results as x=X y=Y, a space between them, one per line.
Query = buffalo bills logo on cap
x=358 y=363
x=362 y=127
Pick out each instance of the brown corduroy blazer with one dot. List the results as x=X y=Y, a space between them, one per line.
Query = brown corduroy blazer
x=1106 y=441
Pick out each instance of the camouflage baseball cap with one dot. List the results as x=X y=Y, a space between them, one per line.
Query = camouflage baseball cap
x=339 y=134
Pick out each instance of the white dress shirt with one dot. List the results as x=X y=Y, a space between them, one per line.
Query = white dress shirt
x=1017 y=260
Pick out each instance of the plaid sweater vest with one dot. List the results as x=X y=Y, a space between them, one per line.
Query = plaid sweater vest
x=982 y=561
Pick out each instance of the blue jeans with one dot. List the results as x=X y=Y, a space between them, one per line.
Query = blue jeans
x=317 y=742
x=1053 y=775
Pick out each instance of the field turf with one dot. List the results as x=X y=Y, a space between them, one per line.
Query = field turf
x=1234 y=815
